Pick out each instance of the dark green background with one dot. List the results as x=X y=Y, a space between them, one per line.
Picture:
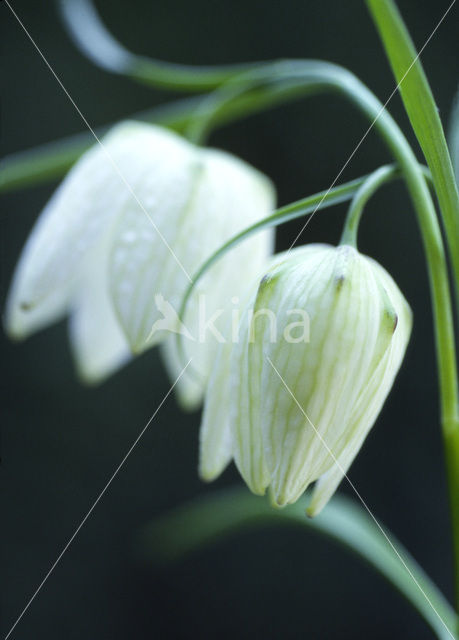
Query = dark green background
x=61 y=442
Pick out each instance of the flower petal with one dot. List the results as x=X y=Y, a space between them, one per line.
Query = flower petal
x=362 y=421
x=310 y=389
x=189 y=388
x=215 y=433
x=70 y=227
x=201 y=198
x=245 y=418
x=372 y=397
x=98 y=342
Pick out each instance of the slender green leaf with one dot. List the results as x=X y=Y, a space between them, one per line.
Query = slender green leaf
x=209 y=519
x=423 y=114
x=453 y=137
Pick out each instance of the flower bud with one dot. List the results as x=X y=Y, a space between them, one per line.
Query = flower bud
x=322 y=340
x=121 y=238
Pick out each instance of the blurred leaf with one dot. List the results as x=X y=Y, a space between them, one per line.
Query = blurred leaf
x=207 y=520
x=50 y=161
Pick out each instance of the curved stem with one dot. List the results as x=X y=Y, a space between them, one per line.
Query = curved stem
x=209 y=110
x=368 y=188
x=90 y=35
x=305 y=76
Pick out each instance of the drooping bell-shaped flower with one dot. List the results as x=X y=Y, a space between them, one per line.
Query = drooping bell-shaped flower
x=120 y=240
x=320 y=343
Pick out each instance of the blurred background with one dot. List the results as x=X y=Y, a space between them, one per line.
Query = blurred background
x=61 y=441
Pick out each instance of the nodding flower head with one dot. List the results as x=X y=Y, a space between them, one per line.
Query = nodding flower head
x=122 y=236
x=322 y=338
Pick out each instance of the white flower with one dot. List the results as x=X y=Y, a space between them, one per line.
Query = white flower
x=322 y=339
x=119 y=240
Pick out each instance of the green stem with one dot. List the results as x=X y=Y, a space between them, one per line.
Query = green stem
x=451 y=445
x=368 y=188
x=305 y=76
x=213 y=107
x=90 y=35
x=374 y=181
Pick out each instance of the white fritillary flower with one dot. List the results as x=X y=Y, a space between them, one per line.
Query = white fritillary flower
x=321 y=341
x=117 y=244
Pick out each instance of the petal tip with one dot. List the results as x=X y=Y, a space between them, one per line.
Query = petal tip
x=208 y=474
x=14 y=328
x=312 y=511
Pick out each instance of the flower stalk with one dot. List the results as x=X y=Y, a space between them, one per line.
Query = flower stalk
x=360 y=199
